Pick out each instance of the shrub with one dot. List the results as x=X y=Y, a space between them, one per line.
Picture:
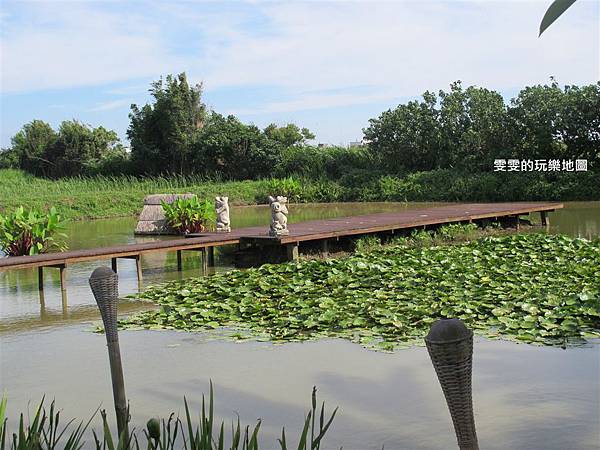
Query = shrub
x=189 y=215
x=30 y=232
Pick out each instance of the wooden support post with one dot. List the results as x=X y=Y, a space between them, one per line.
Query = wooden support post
x=545 y=219
x=211 y=257
x=325 y=248
x=518 y=223
x=113 y=263
x=65 y=310
x=179 y=261
x=63 y=277
x=41 y=278
x=138 y=266
x=204 y=260
x=292 y=251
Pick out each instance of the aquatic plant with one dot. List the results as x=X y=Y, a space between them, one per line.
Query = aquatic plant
x=534 y=288
x=166 y=434
x=189 y=215
x=30 y=232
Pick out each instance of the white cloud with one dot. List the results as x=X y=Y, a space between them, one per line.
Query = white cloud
x=64 y=45
x=404 y=48
x=396 y=48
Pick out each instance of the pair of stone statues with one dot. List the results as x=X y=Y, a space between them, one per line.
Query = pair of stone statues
x=279 y=214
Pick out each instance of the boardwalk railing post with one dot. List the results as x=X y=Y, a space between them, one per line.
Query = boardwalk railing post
x=104 y=283
x=450 y=347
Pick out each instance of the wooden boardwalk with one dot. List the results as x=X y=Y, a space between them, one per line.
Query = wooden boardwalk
x=314 y=230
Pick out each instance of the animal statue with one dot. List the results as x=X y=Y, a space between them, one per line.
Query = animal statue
x=222 y=209
x=279 y=214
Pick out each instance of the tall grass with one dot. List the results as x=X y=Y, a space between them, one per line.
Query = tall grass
x=44 y=432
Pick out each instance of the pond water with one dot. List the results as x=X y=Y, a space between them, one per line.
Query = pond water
x=525 y=397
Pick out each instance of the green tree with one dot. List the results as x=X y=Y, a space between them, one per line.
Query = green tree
x=555 y=123
x=80 y=149
x=289 y=134
x=162 y=133
x=31 y=144
x=407 y=137
x=474 y=128
x=227 y=147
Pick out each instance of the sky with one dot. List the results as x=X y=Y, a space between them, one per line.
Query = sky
x=328 y=66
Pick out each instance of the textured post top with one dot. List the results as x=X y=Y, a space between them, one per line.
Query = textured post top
x=446 y=331
x=102 y=272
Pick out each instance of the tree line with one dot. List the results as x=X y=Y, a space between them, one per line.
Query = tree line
x=463 y=129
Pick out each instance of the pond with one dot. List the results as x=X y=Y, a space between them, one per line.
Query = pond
x=525 y=396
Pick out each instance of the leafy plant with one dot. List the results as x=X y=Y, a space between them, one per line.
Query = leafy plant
x=189 y=215
x=535 y=288
x=30 y=232
x=43 y=433
x=288 y=187
x=556 y=9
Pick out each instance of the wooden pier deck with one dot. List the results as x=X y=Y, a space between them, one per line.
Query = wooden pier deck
x=314 y=230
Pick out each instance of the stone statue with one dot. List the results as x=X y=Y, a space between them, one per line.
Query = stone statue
x=279 y=213
x=222 y=208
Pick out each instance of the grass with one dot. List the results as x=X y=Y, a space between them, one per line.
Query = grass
x=533 y=288
x=96 y=197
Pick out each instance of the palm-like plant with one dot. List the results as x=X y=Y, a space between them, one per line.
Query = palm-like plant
x=30 y=232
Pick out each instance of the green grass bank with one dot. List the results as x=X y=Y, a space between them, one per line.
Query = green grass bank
x=96 y=197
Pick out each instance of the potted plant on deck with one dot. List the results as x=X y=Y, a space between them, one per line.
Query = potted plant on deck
x=189 y=215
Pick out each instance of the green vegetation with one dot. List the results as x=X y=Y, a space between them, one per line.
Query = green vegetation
x=44 y=433
x=467 y=129
x=535 y=288
x=189 y=215
x=463 y=130
x=30 y=232
x=95 y=197
x=74 y=149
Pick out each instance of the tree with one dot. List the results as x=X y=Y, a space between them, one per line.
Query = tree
x=553 y=123
x=76 y=149
x=408 y=137
x=237 y=151
x=162 y=134
x=465 y=128
x=31 y=144
x=474 y=128
x=80 y=149
x=289 y=134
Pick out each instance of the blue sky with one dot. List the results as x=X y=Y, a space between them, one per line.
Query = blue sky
x=329 y=66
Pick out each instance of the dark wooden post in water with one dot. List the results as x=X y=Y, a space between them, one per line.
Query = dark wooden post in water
x=211 y=257
x=41 y=278
x=204 y=263
x=105 y=286
x=325 y=248
x=292 y=251
x=545 y=219
x=450 y=347
x=179 y=261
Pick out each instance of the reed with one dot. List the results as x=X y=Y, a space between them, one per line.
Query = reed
x=44 y=433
